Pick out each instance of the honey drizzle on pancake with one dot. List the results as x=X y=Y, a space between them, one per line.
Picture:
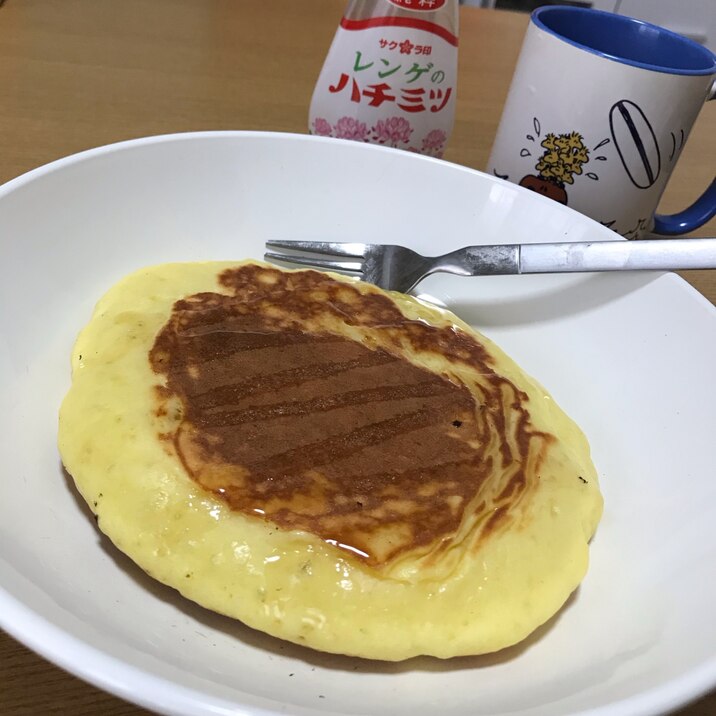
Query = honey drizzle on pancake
x=288 y=419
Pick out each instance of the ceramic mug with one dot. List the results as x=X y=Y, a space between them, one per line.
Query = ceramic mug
x=598 y=112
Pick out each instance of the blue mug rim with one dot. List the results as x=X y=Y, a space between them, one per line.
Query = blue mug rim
x=621 y=21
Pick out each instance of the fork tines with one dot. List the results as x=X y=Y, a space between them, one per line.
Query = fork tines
x=311 y=253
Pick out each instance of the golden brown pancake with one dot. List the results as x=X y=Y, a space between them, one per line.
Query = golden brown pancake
x=335 y=465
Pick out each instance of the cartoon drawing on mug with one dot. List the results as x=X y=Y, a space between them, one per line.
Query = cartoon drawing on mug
x=524 y=152
x=640 y=226
x=673 y=143
x=635 y=142
x=563 y=158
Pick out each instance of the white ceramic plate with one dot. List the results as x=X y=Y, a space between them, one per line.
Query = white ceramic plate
x=630 y=357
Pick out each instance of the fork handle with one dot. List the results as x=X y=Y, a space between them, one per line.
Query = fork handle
x=568 y=257
x=655 y=254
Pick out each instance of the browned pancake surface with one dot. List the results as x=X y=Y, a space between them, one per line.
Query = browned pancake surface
x=287 y=418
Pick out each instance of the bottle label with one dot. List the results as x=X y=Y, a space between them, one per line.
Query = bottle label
x=419 y=5
x=409 y=23
x=388 y=83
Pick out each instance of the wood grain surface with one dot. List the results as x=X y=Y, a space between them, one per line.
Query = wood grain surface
x=75 y=74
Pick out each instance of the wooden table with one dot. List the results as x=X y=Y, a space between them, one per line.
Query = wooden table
x=76 y=74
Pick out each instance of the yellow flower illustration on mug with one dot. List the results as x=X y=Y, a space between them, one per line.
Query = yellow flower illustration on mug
x=563 y=158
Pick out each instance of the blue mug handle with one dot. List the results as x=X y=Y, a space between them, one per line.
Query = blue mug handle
x=701 y=211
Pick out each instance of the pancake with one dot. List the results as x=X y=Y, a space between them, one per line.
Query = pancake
x=335 y=465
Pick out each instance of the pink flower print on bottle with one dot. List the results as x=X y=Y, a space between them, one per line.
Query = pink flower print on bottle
x=394 y=131
x=434 y=142
x=351 y=128
x=322 y=127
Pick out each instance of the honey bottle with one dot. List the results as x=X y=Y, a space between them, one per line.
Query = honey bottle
x=390 y=76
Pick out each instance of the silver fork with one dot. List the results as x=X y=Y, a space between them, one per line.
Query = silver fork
x=399 y=269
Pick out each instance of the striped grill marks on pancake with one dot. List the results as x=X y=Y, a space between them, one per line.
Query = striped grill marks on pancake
x=297 y=406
